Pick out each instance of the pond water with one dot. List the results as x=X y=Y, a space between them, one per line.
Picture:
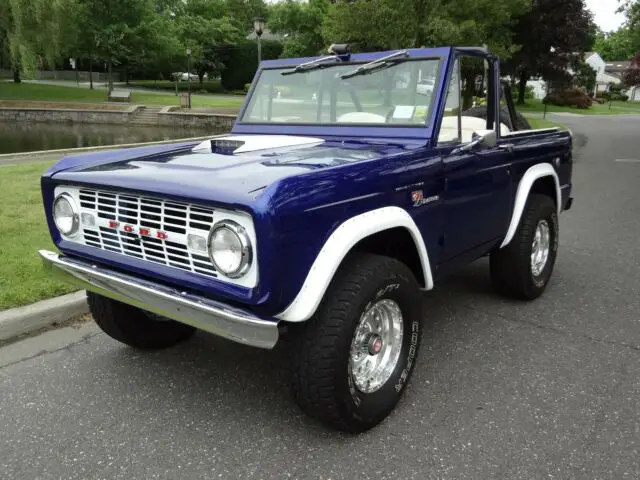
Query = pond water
x=28 y=137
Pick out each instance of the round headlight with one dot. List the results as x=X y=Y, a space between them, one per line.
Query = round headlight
x=230 y=248
x=65 y=215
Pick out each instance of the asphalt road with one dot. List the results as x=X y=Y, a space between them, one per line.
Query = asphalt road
x=549 y=389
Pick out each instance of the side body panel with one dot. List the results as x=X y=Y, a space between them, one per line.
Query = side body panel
x=309 y=212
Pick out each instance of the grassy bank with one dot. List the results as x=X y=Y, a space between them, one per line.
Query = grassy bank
x=55 y=93
x=617 y=108
x=543 y=123
x=24 y=231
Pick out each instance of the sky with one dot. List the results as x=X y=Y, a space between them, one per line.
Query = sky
x=604 y=14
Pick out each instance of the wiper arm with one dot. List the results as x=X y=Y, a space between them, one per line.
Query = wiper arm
x=380 y=64
x=312 y=65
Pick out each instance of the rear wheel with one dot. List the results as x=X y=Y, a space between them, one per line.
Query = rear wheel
x=353 y=359
x=135 y=327
x=523 y=268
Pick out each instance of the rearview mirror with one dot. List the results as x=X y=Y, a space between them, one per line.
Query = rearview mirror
x=480 y=138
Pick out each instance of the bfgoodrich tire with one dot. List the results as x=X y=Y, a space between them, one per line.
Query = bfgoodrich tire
x=351 y=362
x=523 y=268
x=135 y=327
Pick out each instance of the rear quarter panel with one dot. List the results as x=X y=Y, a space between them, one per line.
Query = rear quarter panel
x=534 y=147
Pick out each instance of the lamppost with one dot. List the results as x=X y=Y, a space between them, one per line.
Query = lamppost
x=189 y=73
x=258 y=27
x=544 y=115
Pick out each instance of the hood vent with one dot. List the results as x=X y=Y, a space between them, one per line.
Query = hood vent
x=220 y=146
x=251 y=143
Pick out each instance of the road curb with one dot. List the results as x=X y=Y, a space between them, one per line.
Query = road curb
x=23 y=320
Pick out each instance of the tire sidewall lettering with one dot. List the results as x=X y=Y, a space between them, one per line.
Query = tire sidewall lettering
x=393 y=290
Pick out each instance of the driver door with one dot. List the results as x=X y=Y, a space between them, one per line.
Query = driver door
x=477 y=177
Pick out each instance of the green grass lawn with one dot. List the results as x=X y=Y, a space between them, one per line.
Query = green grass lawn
x=24 y=232
x=55 y=93
x=543 y=123
x=617 y=108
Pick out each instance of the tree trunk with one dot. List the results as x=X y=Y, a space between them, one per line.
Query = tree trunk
x=16 y=75
x=109 y=75
x=90 y=74
x=469 y=89
x=77 y=74
x=522 y=88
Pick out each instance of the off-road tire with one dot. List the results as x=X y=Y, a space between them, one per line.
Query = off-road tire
x=480 y=111
x=133 y=326
x=321 y=381
x=511 y=272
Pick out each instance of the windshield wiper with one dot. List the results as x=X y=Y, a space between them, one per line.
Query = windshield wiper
x=312 y=65
x=379 y=64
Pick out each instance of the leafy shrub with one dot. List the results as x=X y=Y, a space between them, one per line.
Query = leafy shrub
x=528 y=93
x=613 y=96
x=571 y=97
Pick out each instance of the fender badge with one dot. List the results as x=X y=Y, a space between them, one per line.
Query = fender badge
x=418 y=198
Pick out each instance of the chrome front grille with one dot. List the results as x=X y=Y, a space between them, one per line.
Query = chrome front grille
x=166 y=226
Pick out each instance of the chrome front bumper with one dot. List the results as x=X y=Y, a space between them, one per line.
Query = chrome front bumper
x=200 y=312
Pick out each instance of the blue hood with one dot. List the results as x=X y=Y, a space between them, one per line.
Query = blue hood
x=224 y=175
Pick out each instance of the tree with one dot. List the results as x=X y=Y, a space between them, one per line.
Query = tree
x=631 y=77
x=551 y=35
x=585 y=76
x=33 y=31
x=115 y=28
x=384 y=24
x=617 y=45
x=205 y=26
x=301 y=23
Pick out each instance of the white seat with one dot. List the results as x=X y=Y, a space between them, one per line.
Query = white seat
x=361 y=117
x=449 y=128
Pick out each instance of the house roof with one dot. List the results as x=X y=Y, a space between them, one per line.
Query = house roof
x=617 y=66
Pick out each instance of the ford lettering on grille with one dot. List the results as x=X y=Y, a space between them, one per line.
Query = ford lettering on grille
x=148 y=228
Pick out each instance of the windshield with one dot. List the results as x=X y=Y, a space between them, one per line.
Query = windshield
x=394 y=96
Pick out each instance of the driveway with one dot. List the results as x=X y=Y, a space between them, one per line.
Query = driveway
x=548 y=389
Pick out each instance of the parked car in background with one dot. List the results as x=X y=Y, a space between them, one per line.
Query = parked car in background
x=184 y=76
x=425 y=86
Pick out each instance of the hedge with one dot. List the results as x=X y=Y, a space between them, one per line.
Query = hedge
x=241 y=62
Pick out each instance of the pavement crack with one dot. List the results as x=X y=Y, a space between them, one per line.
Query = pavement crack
x=82 y=341
x=560 y=331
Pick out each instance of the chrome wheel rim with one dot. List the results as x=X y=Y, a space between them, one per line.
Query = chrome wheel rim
x=540 y=248
x=376 y=345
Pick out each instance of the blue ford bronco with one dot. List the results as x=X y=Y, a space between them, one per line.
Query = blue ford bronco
x=349 y=184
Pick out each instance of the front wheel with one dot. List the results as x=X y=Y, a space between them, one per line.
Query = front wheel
x=135 y=327
x=353 y=359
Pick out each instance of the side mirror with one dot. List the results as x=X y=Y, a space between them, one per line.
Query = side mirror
x=480 y=138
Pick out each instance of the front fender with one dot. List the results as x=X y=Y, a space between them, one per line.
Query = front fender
x=338 y=246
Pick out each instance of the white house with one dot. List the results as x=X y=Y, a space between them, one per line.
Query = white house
x=595 y=61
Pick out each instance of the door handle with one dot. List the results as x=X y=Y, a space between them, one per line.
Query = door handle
x=507 y=146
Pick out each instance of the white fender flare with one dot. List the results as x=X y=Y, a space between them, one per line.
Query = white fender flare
x=522 y=193
x=338 y=246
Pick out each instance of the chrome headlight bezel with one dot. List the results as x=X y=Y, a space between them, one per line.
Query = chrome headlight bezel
x=246 y=249
x=75 y=217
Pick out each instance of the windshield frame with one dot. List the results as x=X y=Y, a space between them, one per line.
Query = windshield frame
x=421 y=130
